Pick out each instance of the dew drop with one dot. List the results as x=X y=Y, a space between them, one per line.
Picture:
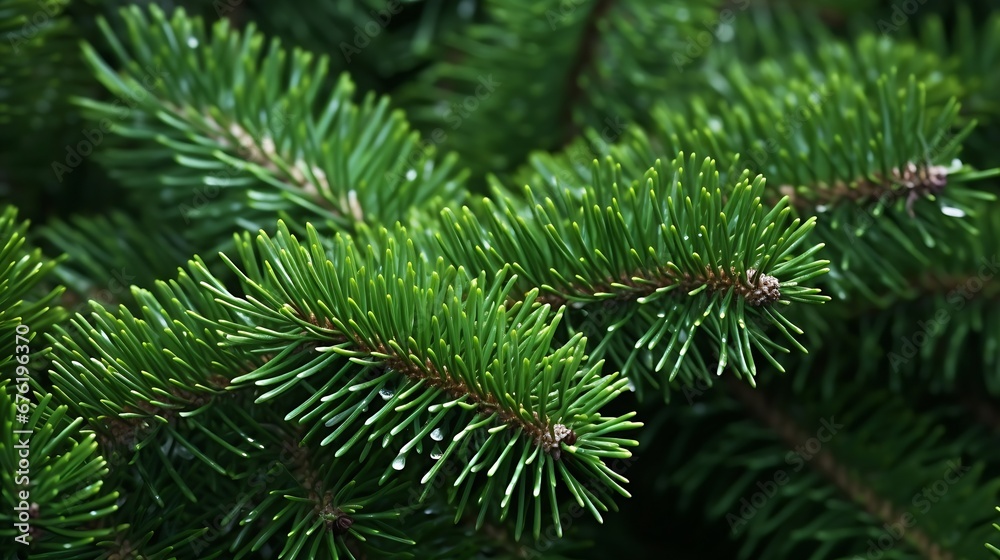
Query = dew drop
x=411 y=174
x=952 y=211
x=192 y=42
x=399 y=462
x=631 y=386
x=437 y=435
x=822 y=208
x=436 y=453
x=386 y=393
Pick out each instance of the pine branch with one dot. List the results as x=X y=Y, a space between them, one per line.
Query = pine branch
x=377 y=40
x=415 y=388
x=873 y=177
x=865 y=469
x=25 y=301
x=969 y=50
x=470 y=363
x=432 y=339
x=327 y=508
x=106 y=255
x=673 y=253
x=883 y=510
x=165 y=471
x=256 y=130
x=166 y=366
x=54 y=492
x=936 y=330
x=775 y=36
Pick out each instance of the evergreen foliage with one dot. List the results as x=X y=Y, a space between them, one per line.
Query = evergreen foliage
x=486 y=279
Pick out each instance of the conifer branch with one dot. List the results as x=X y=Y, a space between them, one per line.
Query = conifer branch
x=756 y=289
x=343 y=511
x=63 y=489
x=108 y=254
x=26 y=306
x=428 y=374
x=167 y=368
x=879 y=507
x=875 y=161
x=361 y=362
x=304 y=319
x=262 y=134
x=575 y=52
x=417 y=367
x=912 y=182
x=668 y=248
x=260 y=150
